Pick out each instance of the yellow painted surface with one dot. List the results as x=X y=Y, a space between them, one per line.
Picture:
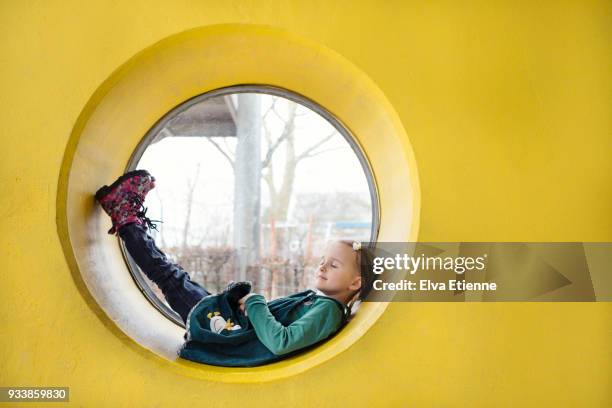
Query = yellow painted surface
x=507 y=108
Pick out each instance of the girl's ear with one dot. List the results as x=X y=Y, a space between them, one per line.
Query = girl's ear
x=356 y=284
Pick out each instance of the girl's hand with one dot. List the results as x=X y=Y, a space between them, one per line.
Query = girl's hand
x=242 y=303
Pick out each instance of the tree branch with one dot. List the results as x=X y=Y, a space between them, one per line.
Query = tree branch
x=306 y=152
x=303 y=156
x=287 y=132
x=229 y=159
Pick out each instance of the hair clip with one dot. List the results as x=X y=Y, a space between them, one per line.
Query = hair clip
x=356 y=245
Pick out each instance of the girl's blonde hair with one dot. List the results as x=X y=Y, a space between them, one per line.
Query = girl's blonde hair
x=364 y=261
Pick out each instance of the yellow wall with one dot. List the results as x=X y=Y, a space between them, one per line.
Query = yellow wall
x=508 y=111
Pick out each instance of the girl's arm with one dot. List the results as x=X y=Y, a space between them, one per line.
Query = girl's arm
x=318 y=323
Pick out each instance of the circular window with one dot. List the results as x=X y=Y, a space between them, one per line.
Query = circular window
x=149 y=91
x=252 y=182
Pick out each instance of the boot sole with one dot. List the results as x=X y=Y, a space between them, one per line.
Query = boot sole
x=104 y=190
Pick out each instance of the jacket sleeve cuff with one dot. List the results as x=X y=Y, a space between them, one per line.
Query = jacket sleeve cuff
x=255 y=299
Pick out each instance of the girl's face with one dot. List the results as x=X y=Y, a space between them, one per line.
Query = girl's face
x=338 y=273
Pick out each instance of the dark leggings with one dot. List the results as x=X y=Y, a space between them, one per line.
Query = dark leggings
x=180 y=291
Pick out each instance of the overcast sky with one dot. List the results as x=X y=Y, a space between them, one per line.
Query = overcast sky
x=173 y=161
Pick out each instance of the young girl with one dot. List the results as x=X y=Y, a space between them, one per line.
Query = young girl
x=235 y=327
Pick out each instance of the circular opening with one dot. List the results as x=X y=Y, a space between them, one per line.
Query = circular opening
x=252 y=182
x=161 y=77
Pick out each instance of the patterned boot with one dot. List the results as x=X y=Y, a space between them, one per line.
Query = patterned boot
x=123 y=200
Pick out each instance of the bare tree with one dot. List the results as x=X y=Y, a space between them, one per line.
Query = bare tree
x=191 y=188
x=279 y=196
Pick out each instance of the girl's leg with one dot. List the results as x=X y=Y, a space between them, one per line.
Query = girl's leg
x=179 y=290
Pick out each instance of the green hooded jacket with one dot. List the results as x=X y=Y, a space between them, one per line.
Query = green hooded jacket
x=218 y=333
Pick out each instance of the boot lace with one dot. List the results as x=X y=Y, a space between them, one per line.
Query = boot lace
x=142 y=213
